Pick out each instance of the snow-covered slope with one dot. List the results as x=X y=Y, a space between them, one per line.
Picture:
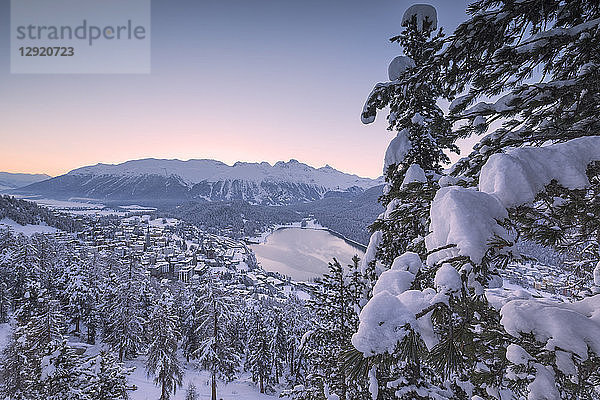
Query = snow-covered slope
x=176 y=180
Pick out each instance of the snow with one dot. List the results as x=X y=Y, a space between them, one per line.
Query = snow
x=466 y=218
x=416 y=301
x=414 y=174
x=381 y=325
x=398 y=66
x=543 y=386
x=408 y=262
x=479 y=121
x=459 y=102
x=539 y=39
x=373 y=384
x=571 y=327
x=517 y=355
x=565 y=364
x=394 y=282
x=423 y=12
x=515 y=177
x=597 y=275
x=371 y=252
x=447 y=279
x=27 y=230
x=196 y=171
x=397 y=149
x=393 y=305
x=240 y=389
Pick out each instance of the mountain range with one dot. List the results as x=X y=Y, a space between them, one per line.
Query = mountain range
x=171 y=181
x=10 y=181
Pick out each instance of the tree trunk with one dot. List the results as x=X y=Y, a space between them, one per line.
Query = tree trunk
x=77 y=325
x=342 y=327
x=262 y=385
x=164 y=395
x=121 y=353
x=214 y=387
x=292 y=360
x=91 y=334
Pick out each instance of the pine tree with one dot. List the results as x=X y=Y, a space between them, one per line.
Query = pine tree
x=537 y=61
x=334 y=305
x=215 y=353
x=192 y=393
x=415 y=157
x=278 y=341
x=76 y=293
x=105 y=378
x=60 y=374
x=162 y=360
x=37 y=362
x=414 y=163
x=191 y=321
x=123 y=329
x=259 y=359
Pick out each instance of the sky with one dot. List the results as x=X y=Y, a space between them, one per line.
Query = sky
x=232 y=80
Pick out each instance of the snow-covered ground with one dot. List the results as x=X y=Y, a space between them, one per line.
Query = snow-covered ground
x=27 y=230
x=240 y=389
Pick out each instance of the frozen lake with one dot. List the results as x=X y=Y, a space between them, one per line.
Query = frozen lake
x=303 y=253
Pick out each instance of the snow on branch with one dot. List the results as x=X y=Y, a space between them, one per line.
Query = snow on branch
x=517 y=176
x=466 y=218
x=568 y=327
x=542 y=38
x=424 y=13
x=469 y=218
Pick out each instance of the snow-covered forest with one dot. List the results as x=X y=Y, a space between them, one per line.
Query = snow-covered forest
x=426 y=314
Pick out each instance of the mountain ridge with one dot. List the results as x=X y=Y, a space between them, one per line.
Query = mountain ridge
x=10 y=180
x=202 y=179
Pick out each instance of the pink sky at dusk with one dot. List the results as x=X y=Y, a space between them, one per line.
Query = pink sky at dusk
x=229 y=82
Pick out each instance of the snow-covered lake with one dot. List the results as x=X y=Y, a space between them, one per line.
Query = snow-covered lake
x=303 y=254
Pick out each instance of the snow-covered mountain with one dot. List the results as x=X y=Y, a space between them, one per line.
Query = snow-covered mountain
x=210 y=180
x=9 y=180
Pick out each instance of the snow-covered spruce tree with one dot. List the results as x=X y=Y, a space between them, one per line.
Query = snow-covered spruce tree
x=541 y=59
x=192 y=319
x=38 y=363
x=259 y=359
x=104 y=378
x=123 y=325
x=92 y=279
x=164 y=331
x=414 y=158
x=218 y=314
x=333 y=305
x=439 y=307
x=191 y=393
x=278 y=341
x=76 y=294
x=297 y=322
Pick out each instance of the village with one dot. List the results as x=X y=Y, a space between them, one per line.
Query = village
x=171 y=250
